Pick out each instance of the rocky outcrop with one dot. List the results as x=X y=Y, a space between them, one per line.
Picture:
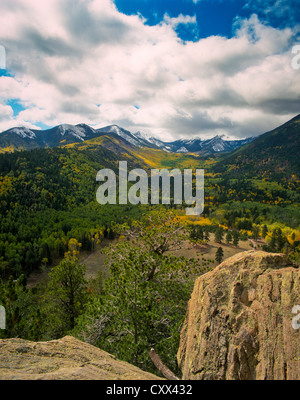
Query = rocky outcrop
x=239 y=321
x=63 y=359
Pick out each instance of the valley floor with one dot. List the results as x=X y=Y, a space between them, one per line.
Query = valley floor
x=94 y=261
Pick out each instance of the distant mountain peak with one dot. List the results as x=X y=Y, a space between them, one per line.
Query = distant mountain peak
x=23 y=132
x=67 y=134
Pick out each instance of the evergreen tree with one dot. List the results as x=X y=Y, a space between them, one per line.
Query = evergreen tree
x=264 y=231
x=66 y=295
x=293 y=237
x=228 y=237
x=207 y=235
x=219 y=235
x=219 y=255
x=280 y=240
x=199 y=233
x=146 y=293
x=236 y=237
x=196 y=233
x=22 y=310
x=273 y=240
x=255 y=232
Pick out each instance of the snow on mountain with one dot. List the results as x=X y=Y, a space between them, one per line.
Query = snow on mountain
x=141 y=135
x=23 y=132
x=77 y=131
x=217 y=144
x=123 y=133
x=182 y=150
x=66 y=133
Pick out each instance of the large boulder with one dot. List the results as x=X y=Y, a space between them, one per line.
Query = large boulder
x=63 y=359
x=239 y=321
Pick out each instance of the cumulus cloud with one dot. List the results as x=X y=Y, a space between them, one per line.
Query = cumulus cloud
x=83 y=61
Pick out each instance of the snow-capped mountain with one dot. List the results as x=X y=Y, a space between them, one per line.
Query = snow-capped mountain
x=23 y=132
x=216 y=144
x=78 y=131
x=197 y=145
x=22 y=138
x=123 y=133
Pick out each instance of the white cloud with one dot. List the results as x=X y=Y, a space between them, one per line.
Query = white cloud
x=181 y=19
x=70 y=57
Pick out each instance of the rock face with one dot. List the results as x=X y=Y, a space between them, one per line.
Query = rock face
x=239 y=321
x=63 y=359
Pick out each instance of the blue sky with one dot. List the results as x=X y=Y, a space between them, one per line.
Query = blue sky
x=171 y=68
x=213 y=17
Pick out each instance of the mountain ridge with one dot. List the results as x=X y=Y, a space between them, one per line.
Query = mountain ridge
x=237 y=153
x=22 y=138
x=272 y=155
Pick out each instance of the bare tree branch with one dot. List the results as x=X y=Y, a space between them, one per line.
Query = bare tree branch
x=161 y=366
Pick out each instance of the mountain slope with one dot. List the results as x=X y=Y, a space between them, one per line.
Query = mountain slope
x=274 y=154
x=142 y=157
x=214 y=145
x=27 y=139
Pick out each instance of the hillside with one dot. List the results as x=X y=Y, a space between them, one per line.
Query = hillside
x=273 y=155
x=47 y=196
x=142 y=157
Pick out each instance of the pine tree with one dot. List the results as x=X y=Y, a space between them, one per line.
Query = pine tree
x=196 y=233
x=219 y=235
x=145 y=294
x=66 y=295
x=207 y=236
x=255 y=232
x=280 y=240
x=228 y=237
x=236 y=237
x=199 y=233
x=219 y=255
x=264 y=231
x=273 y=240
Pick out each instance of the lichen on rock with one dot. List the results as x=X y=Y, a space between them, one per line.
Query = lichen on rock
x=63 y=359
x=239 y=321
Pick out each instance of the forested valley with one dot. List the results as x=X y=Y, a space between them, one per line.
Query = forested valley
x=49 y=217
